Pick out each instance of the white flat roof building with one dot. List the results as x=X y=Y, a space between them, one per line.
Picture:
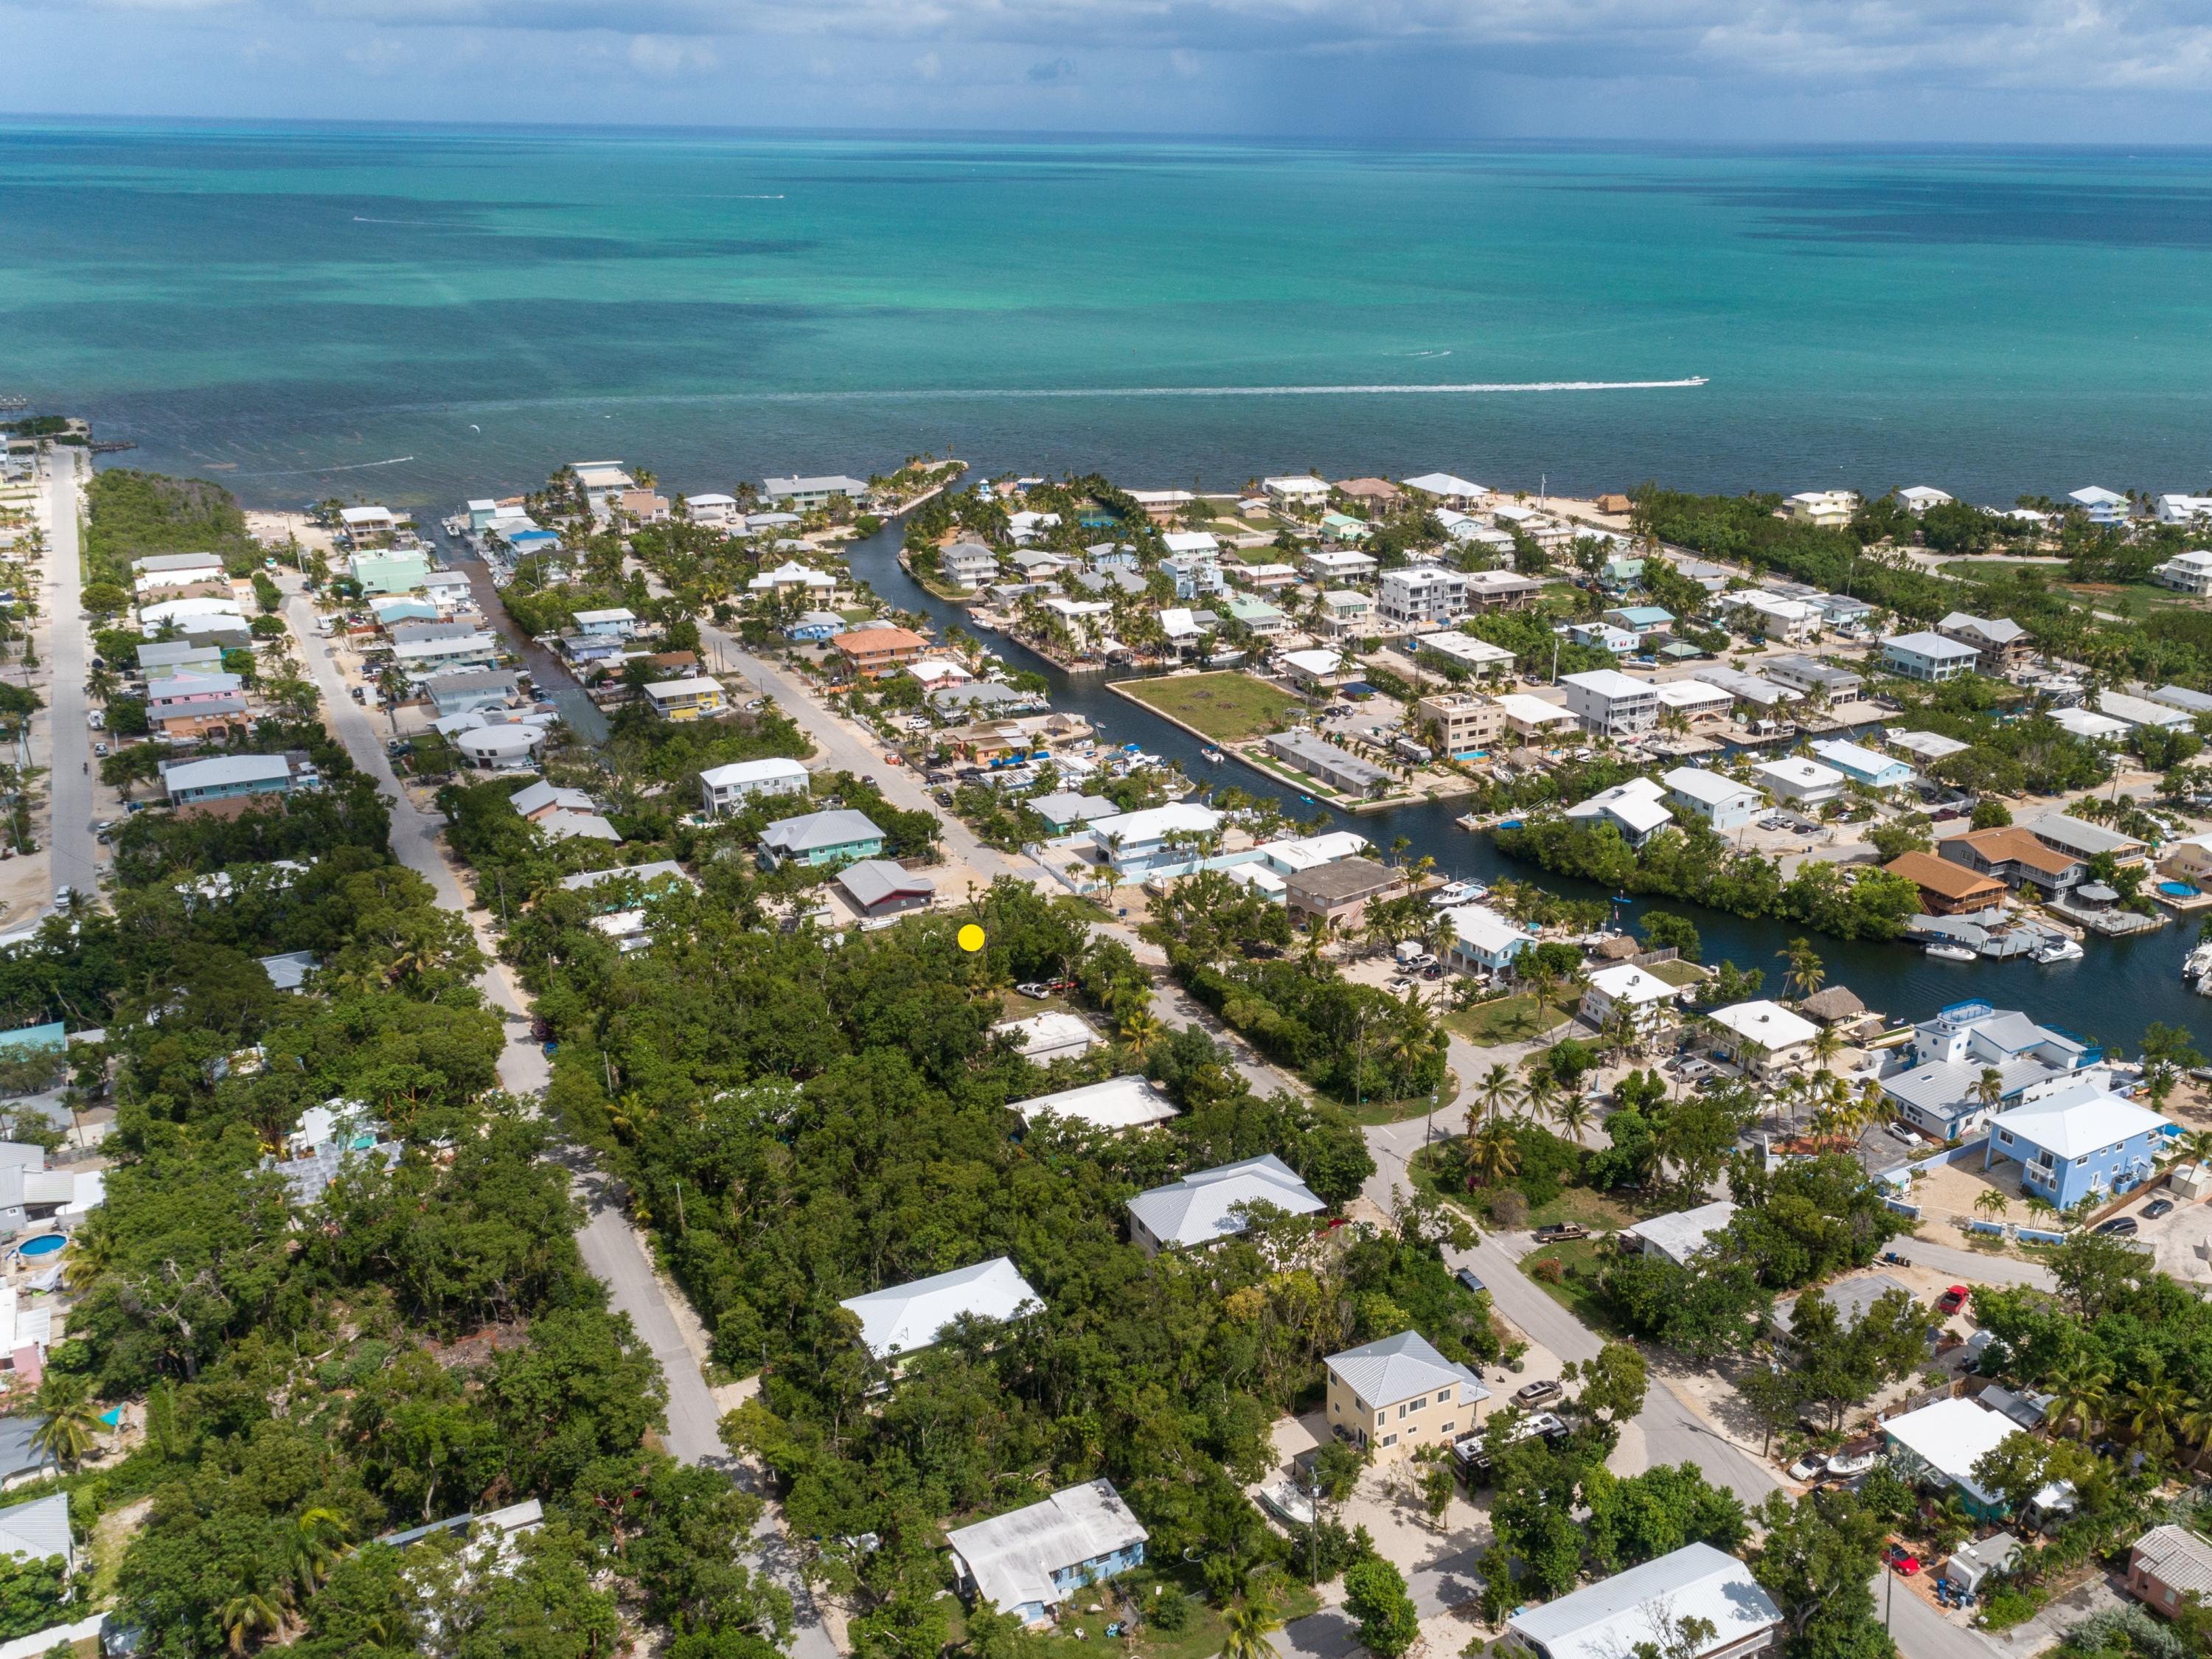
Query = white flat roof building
x=1686 y=1235
x=1799 y=780
x=1649 y=1604
x=905 y=1318
x=1043 y=1038
x=1029 y=1560
x=1480 y=655
x=1120 y=1102
x=1949 y=1438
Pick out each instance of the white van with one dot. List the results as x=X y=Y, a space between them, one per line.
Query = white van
x=95 y=719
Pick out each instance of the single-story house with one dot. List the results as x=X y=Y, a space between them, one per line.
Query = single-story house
x=1796 y=779
x=1861 y=765
x=1631 y=807
x=1204 y=1208
x=904 y=1319
x=2167 y=1565
x=697 y=698
x=1684 y=1236
x=1120 y=1102
x=1030 y=1561
x=1721 y=802
x=1939 y=1445
x=883 y=887
x=39 y=1530
x=1043 y=1038
x=1651 y=1604
x=1763 y=1036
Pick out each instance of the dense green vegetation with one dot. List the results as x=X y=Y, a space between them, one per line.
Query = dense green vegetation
x=134 y=515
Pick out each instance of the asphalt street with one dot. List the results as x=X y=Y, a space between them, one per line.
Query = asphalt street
x=71 y=850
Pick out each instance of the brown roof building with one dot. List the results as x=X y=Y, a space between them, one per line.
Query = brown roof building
x=1614 y=504
x=873 y=651
x=1946 y=889
x=1377 y=492
x=1340 y=892
x=2013 y=855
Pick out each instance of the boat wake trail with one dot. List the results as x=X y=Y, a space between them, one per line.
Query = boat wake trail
x=302 y=471
x=982 y=394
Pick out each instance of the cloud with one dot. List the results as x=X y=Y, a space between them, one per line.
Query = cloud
x=1053 y=69
x=928 y=66
x=663 y=55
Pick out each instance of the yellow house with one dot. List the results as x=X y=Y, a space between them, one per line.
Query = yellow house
x=1400 y=1393
x=686 y=700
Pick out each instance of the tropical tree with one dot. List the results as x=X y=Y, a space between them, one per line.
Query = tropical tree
x=312 y=1548
x=1493 y=1093
x=2079 y=1389
x=1827 y=1043
x=1492 y=1154
x=1992 y=1203
x=1249 y=1627
x=1141 y=1030
x=1989 y=1087
x=251 y=1616
x=2153 y=1404
x=1807 y=972
x=70 y=1428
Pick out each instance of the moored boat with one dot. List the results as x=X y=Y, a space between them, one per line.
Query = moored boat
x=1950 y=953
x=2059 y=949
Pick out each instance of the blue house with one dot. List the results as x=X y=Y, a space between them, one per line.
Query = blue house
x=25 y=1042
x=836 y=837
x=2081 y=1143
x=1030 y=1561
x=1863 y=765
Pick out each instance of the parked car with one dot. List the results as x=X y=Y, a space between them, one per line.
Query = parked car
x=2120 y=1226
x=1808 y=1467
x=1899 y=1132
x=1953 y=1299
x=100 y=750
x=1532 y=1394
x=1032 y=988
x=1902 y=1560
x=2157 y=1208
x=1467 y=1277
x=1560 y=1232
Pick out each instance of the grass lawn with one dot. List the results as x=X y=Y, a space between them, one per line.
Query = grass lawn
x=1676 y=972
x=2133 y=599
x=1228 y=707
x=1436 y=1170
x=1398 y=1111
x=1509 y=1019
x=1574 y=1291
x=1201 y=1637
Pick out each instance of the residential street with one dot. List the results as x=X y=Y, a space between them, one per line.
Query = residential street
x=71 y=849
x=610 y=1247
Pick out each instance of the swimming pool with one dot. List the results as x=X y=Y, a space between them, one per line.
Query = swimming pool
x=2177 y=890
x=44 y=1245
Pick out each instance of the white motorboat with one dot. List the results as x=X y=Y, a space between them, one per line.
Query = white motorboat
x=1950 y=953
x=2059 y=949
x=1212 y=754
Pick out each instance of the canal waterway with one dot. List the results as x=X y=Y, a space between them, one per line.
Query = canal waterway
x=2116 y=990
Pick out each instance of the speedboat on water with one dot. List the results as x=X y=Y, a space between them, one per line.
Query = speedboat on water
x=1212 y=754
x=1950 y=953
x=2059 y=949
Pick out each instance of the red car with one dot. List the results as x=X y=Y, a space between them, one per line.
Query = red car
x=1953 y=1299
x=1903 y=1560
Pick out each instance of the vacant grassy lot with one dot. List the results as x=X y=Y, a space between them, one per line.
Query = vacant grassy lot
x=2133 y=599
x=1509 y=1019
x=1228 y=707
x=1676 y=972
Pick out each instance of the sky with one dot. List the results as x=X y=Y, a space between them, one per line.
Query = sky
x=2104 y=72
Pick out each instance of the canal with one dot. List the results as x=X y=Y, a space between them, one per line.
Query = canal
x=2117 y=989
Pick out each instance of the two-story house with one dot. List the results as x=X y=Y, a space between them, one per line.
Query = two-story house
x=2080 y=1143
x=1400 y=1393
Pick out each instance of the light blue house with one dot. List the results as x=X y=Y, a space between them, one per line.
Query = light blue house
x=25 y=1041
x=1195 y=574
x=2081 y=1143
x=1927 y=656
x=1029 y=1561
x=1483 y=941
x=1939 y=1087
x=1641 y=619
x=1863 y=765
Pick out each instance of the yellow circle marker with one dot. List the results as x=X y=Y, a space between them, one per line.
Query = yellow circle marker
x=971 y=939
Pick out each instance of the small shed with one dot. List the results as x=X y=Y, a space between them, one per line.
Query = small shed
x=1974 y=1565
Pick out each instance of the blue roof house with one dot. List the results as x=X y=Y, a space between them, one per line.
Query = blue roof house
x=25 y=1041
x=1863 y=765
x=2081 y=1143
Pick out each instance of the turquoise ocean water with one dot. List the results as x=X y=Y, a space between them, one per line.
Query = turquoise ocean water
x=266 y=301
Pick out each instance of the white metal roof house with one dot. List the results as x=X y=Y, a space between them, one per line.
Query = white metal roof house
x=1649 y=1001
x=1029 y=1561
x=1942 y=1442
x=1632 y=806
x=1763 y=1035
x=1648 y=1604
x=903 y=1319
x=728 y=788
x=1927 y=656
x=37 y=1529
x=1796 y=779
x=1120 y=1102
x=1043 y=1038
x=1686 y=1235
x=1721 y=802
x=1201 y=1208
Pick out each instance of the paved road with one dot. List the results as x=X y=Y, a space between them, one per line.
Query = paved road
x=72 y=853
x=1973 y=1266
x=610 y=1247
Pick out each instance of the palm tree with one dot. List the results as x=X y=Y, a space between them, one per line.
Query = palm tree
x=1992 y=1203
x=1807 y=972
x=1495 y=1090
x=71 y=1427
x=2080 y=1389
x=312 y=1548
x=2154 y=1403
x=1827 y=1043
x=1540 y=1095
x=1492 y=1154
x=1140 y=1029
x=1571 y=1113
x=249 y=1616
x=1250 y=1623
x=2195 y=1427
x=1989 y=1087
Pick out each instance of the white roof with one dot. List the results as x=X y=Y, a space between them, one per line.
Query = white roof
x=178 y=609
x=657 y=870
x=1608 y=682
x=696 y=685
x=1927 y=745
x=937 y=668
x=1463 y=647
x=1398 y=1367
x=1951 y=1436
x=1049 y=1032
x=1693 y=693
x=1178 y=623
x=1635 y=802
x=1443 y=483
x=904 y=1317
x=1769 y=1024
x=616 y=615
x=1120 y=1102
x=1646 y=1604
x=2078 y=1122
x=1926 y=644
x=1189 y=541
x=1710 y=788
x=225 y=768
x=1481 y=928
x=1852 y=758
x=712 y=499
x=1196 y=1210
x=1625 y=982
x=1681 y=1237
x=2001 y=629
x=1136 y=829
x=1533 y=711
x=1317 y=662
x=1011 y=1558
x=1922 y=495
x=2141 y=711
x=37 y=1529
x=751 y=771
x=2096 y=495
x=1305 y=483
x=1806 y=774
x=2098 y=728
